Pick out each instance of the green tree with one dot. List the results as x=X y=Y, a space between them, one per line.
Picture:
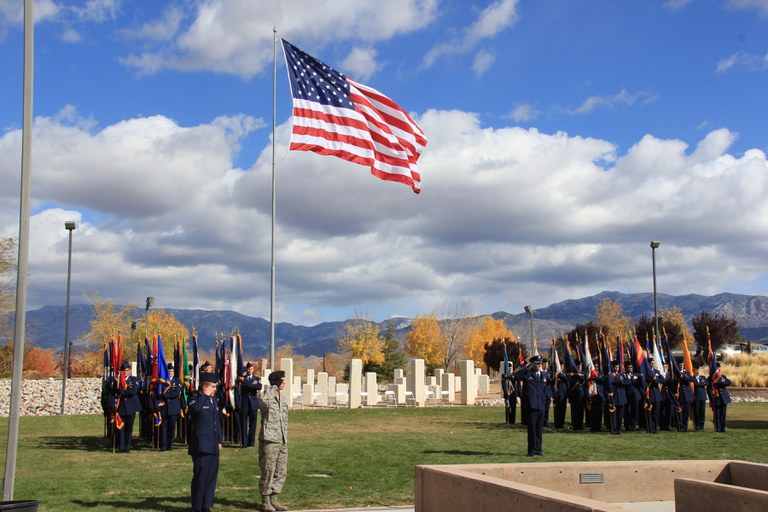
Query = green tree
x=394 y=357
x=722 y=330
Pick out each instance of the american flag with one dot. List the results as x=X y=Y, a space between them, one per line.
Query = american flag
x=334 y=115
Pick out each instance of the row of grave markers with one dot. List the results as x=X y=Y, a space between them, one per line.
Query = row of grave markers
x=411 y=387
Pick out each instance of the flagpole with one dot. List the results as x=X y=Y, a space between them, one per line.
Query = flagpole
x=21 y=267
x=274 y=121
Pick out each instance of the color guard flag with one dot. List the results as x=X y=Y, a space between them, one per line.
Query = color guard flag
x=334 y=115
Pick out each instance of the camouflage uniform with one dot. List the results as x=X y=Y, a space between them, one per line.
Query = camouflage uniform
x=273 y=441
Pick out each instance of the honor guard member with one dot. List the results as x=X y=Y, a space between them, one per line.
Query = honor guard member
x=273 y=443
x=170 y=410
x=635 y=392
x=127 y=408
x=204 y=442
x=618 y=384
x=720 y=398
x=596 y=401
x=684 y=398
x=560 y=383
x=509 y=391
x=653 y=404
x=535 y=397
x=250 y=387
x=666 y=412
x=577 y=396
x=550 y=388
x=699 y=399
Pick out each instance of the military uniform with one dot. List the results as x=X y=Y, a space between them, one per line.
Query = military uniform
x=699 y=401
x=654 y=400
x=171 y=409
x=204 y=446
x=535 y=382
x=127 y=408
x=720 y=399
x=250 y=388
x=635 y=391
x=273 y=443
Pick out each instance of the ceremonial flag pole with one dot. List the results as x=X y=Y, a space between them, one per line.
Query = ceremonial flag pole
x=274 y=123
x=21 y=267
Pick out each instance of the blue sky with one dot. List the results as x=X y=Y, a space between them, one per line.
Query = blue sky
x=563 y=137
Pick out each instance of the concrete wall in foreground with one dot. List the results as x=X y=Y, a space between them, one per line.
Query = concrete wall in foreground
x=597 y=486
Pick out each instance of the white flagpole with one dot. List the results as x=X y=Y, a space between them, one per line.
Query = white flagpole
x=21 y=267
x=274 y=122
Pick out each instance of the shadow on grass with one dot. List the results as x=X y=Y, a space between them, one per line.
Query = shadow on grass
x=164 y=504
x=747 y=424
x=85 y=443
x=464 y=452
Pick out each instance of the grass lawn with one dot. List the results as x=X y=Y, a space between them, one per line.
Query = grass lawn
x=337 y=458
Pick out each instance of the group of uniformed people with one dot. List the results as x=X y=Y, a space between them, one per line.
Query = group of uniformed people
x=208 y=419
x=621 y=399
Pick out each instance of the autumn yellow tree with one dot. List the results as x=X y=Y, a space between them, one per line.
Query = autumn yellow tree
x=286 y=352
x=425 y=340
x=675 y=327
x=490 y=330
x=361 y=340
x=109 y=320
x=611 y=320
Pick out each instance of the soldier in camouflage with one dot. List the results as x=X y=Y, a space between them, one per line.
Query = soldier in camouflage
x=273 y=443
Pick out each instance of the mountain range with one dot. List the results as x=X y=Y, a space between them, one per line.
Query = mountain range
x=45 y=326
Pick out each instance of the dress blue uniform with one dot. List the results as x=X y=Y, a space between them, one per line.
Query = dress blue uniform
x=720 y=399
x=699 y=401
x=250 y=387
x=534 y=398
x=170 y=412
x=204 y=445
x=653 y=405
x=127 y=408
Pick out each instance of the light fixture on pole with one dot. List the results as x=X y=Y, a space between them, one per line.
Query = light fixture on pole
x=655 y=245
x=530 y=313
x=150 y=303
x=69 y=226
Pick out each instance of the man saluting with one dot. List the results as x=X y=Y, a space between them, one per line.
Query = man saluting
x=535 y=398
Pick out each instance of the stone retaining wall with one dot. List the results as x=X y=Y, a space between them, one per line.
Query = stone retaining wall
x=43 y=397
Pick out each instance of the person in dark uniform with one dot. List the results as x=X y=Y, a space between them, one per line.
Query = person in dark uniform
x=577 y=397
x=535 y=397
x=617 y=397
x=634 y=390
x=170 y=410
x=653 y=405
x=720 y=398
x=596 y=400
x=250 y=387
x=560 y=382
x=127 y=408
x=684 y=399
x=550 y=388
x=666 y=411
x=699 y=399
x=205 y=442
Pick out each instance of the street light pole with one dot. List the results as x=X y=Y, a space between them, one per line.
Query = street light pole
x=69 y=226
x=150 y=302
x=530 y=313
x=655 y=245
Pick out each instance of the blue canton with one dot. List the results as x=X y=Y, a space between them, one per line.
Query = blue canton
x=314 y=81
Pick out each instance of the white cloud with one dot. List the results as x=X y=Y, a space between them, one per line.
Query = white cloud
x=483 y=61
x=759 y=5
x=622 y=97
x=236 y=36
x=743 y=61
x=498 y=16
x=524 y=112
x=159 y=30
x=360 y=64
